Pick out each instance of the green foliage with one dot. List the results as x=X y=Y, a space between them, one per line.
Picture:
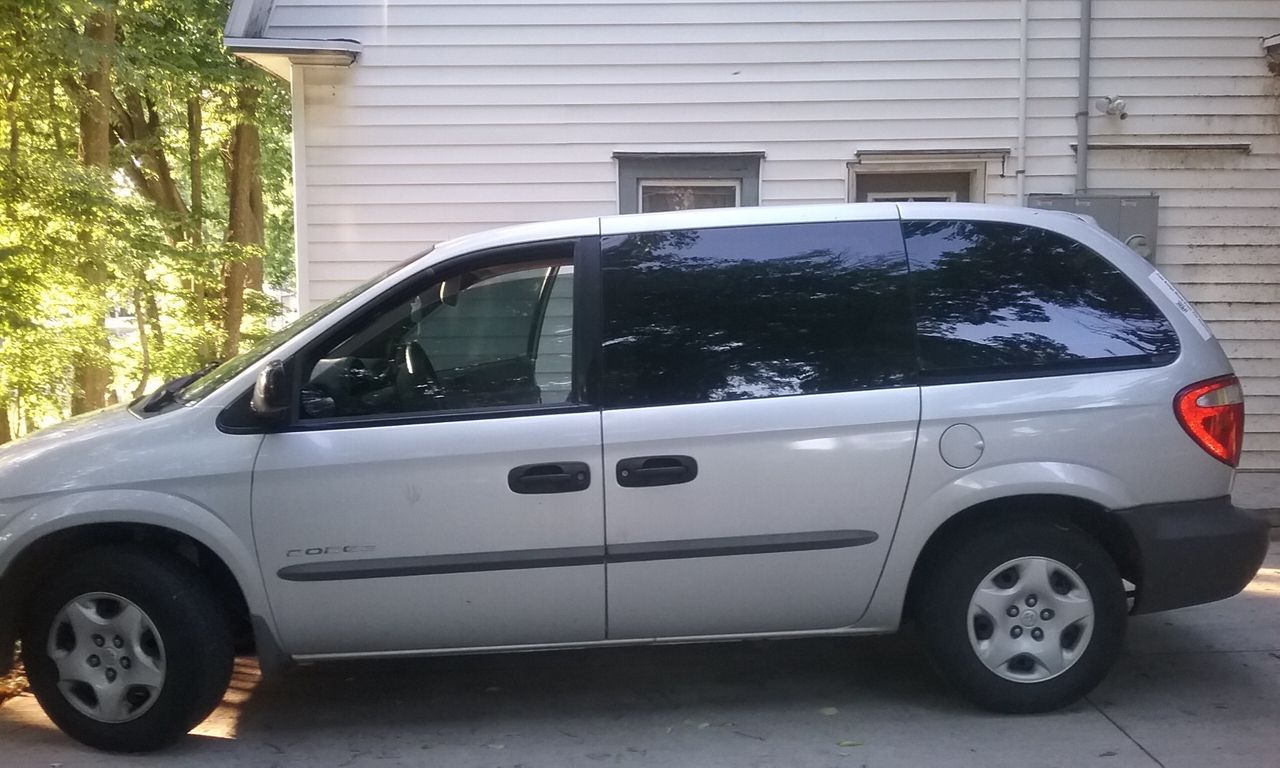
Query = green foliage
x=76 y=244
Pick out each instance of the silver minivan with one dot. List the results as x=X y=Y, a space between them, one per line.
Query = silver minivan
x=998 y=423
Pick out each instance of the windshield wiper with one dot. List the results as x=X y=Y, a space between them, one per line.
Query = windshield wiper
x=166 y=393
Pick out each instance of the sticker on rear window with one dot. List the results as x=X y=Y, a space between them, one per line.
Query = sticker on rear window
x=1184 y=306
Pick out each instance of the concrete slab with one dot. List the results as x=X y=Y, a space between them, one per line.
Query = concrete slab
x=1196 y=687
x=1201 y=686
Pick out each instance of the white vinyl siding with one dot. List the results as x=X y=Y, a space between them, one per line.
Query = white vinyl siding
x=462 y=116
x=465 y=116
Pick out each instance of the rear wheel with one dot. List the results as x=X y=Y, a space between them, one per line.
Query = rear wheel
x=126 y=650
x=1023 y=617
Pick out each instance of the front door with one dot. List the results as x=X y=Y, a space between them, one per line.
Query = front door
x=759 y=424
x=441 y=483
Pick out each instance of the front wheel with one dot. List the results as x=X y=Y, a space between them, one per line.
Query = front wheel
x=1023 y=616
x=126 y=650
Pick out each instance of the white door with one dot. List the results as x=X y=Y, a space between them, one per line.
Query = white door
x=760 y=419
x=440 y=487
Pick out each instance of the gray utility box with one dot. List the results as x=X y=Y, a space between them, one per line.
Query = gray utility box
x=1133 y=219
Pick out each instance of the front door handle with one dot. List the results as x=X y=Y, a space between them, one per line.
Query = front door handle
x=554 y=477
x=648 y=471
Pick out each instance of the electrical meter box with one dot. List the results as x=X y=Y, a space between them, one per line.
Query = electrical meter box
x=1133 y=219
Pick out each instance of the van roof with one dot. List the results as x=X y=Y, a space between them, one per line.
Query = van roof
x=751 y=216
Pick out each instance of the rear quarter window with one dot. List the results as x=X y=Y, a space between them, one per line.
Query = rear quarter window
x=995 y=300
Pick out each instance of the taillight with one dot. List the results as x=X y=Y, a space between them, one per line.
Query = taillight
x=1212 y=412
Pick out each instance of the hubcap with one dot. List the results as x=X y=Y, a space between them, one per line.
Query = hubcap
x=1030 y=619
x=109 y=656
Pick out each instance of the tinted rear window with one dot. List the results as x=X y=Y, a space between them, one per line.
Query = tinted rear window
x=1007 y=299
x=744 y=312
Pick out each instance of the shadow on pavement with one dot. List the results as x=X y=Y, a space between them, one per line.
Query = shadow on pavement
x=596 y=683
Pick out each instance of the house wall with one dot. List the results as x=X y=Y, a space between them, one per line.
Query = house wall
x=463 y=116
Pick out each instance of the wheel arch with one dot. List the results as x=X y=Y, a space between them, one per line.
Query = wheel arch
x=1094 y=519
x=61 y=527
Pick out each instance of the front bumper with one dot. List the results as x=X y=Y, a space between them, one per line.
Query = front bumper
x=1194 y=552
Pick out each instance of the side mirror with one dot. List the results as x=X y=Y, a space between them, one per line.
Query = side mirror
x=270 y=393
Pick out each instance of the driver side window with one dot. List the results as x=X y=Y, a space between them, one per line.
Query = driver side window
x=477 y=338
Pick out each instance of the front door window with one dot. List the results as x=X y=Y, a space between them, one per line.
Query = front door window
x=485 y=337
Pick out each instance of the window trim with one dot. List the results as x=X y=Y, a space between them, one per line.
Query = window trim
x=634 y=167
x=735 y=184
x=236 y=418
x=925 y=162
x=893 y=197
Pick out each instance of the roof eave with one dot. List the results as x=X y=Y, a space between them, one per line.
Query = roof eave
x=279 y=55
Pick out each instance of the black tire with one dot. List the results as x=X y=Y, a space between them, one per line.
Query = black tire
x=942 y=605
x=192 y=627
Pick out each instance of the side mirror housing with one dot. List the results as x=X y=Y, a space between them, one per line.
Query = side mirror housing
x=270 y=393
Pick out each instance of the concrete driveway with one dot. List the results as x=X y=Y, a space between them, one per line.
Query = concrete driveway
x=1197 y=687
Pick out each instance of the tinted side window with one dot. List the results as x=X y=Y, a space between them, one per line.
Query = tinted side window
x=727 y=314
x=997 y=299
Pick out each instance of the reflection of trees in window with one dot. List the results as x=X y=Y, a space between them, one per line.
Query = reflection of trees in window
x=748 y=312
x=983 y=287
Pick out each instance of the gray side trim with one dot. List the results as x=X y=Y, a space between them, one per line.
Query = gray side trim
x=428 y=565
x=738 y=545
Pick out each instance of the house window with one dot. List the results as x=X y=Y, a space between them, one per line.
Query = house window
x=685 y=194
x=924 y=175
x=937 y=196
x=923 y=187
x=649 y=182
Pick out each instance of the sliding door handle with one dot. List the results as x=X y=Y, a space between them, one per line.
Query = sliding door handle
x=648 y=471
x=555 y=477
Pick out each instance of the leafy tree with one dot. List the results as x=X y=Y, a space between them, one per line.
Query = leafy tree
x=144 y=200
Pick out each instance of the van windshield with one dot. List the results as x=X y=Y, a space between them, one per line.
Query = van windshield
x=210 y=382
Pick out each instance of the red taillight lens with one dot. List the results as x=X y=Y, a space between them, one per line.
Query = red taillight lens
x=1212 y=412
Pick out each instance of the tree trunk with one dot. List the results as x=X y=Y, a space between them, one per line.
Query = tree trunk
x=92 y=370
x=55 y=119
x=6 y=432
x=138 y=126
x=207 y=349
x=11 y=113
x=140 y=317
x=245 y=216
x=195 y=124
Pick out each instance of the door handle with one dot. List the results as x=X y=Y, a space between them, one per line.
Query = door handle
x=555 y=477
x=648 y=471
